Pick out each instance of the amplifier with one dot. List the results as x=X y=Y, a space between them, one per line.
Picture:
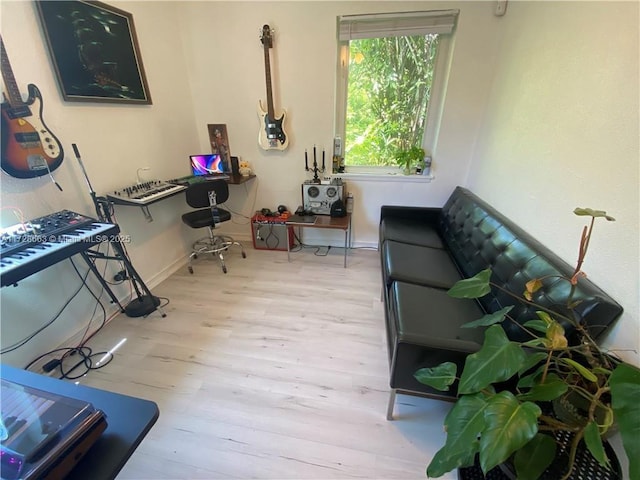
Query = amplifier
x=269 y=234
x=318 y=198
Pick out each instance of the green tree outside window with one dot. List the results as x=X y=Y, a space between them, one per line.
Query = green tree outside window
x=388 y=93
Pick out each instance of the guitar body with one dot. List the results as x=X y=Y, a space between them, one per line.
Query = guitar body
x=271 y=135
x=29 y=149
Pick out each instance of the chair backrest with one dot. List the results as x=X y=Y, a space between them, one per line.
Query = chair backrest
x=198 y=193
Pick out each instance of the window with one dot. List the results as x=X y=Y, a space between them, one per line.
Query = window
x=390 y=80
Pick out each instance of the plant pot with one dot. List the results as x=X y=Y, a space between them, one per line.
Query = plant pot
x=585 y=467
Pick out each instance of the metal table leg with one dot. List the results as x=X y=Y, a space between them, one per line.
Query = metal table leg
x=346 y=242
x=288 y=243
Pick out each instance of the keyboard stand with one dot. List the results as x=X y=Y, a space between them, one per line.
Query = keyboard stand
x=145 y=302
x=146 y=213
x=87 y=255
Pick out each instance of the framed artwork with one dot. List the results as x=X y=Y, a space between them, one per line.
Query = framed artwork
x=220 y=143
x=94 y=51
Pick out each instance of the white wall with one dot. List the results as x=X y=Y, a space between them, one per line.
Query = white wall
x=114 y=141
x=226 y=72
x=561 y=131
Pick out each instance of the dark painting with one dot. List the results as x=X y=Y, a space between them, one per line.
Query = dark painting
x=95 y=52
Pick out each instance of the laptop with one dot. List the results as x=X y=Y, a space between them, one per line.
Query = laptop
x=207 y=166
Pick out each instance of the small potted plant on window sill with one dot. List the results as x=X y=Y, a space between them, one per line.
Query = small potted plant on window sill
x=513 y=396
x=410 y=158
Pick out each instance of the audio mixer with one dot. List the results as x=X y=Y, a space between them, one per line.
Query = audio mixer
x=145 y=193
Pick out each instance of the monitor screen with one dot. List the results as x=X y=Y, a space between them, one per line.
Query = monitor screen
x=206 y=164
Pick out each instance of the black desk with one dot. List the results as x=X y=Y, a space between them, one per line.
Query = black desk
x=129 y=420
x=237 y=179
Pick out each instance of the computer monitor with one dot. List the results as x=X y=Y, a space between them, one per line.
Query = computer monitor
x=206 y=164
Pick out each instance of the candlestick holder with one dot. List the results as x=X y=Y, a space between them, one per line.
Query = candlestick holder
x=315 y=168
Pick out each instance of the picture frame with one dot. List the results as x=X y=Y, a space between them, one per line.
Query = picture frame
x=220 y=143
x=94 y=51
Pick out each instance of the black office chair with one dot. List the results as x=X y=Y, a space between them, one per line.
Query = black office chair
x=206 y=196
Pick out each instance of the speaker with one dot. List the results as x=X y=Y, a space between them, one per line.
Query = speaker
x=338 y=209
x=271 y=236
x=318 y=198
x=235 y=166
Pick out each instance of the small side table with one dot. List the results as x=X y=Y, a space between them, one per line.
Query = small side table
x=324 y=221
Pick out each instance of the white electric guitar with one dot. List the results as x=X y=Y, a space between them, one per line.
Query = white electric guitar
x=271 y=135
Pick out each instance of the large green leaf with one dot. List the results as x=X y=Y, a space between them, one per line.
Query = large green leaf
x=533 y=360
x=594 y=443
x=528 y=381
x=464 y=422
x=498 y=360
x=533 y=459
x=625 y=392
x=474 y=287
x=552 y=388
x=489 y=319
x=509 y=425
x=440 y=377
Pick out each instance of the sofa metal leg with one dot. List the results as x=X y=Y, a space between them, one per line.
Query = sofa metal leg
x=392 y=402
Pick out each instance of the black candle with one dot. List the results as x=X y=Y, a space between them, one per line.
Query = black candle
x=323 y=160
x=306 y=161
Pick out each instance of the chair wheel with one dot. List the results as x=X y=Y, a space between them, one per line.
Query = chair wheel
x=191 y=270
x=224 y=269
x=195 y=256
x=244 y=255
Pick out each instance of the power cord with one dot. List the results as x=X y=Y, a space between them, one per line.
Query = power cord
x=253 y=204
x=25 y=340
x=271 y=235
x=86 y=356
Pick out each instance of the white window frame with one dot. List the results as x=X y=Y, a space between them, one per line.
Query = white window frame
x=352 y=27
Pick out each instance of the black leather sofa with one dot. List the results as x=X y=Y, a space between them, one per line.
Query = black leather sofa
x=424 y=251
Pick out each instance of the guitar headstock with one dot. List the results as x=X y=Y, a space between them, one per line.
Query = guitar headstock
x=267 y=36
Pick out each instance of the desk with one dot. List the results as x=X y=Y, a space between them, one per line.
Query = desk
x=325 y=221
x=154 y=191
x=129 y=420
x=237 y=179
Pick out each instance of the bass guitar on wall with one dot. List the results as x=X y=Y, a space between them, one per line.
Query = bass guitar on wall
x=271 y=135
x=29 y=149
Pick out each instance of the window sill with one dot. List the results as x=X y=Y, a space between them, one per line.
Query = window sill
x=385 y=177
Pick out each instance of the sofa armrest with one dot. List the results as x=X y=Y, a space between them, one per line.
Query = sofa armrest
x=428 y=215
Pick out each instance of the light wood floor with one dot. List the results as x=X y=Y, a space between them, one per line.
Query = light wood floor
x=275 y=370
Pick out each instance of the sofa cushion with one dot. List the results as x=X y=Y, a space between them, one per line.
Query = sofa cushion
x=424 y=330
x=432 y=267
x=407 y=230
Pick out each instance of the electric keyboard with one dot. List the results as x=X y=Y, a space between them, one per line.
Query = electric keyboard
x=145 y=193
x=32 y=246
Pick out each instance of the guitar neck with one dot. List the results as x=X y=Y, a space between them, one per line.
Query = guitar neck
x=267 y=73
x=13 y=92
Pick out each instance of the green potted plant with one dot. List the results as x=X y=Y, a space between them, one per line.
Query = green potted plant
x=409 y=158
x=507 y=391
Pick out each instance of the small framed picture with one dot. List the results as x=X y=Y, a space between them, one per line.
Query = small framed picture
x=220 y=143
